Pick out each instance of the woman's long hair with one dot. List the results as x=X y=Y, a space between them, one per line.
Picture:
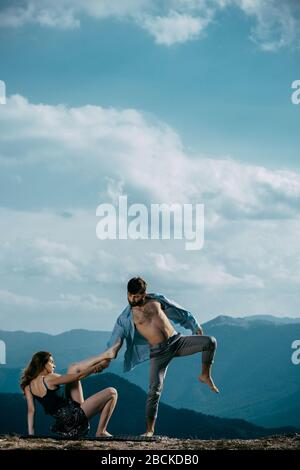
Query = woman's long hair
x=34 y=368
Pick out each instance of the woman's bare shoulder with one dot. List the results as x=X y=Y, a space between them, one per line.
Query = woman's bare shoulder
x=49 y=377
x=27 y=392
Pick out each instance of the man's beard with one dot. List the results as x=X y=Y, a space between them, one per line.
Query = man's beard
x=139 y=303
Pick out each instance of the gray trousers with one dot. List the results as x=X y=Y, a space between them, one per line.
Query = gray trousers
x=161 y=355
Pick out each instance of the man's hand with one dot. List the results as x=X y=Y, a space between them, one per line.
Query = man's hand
x=101 y=365
x=105 y=363
x=199 y=331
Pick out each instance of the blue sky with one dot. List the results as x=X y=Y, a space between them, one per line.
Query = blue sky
x=222 y=93
x=197 y=98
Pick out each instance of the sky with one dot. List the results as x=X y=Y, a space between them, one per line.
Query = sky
x=174 y=101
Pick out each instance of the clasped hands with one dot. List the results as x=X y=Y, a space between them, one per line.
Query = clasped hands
x=100 y=366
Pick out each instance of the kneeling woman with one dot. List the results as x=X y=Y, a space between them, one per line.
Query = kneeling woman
x=69 y=409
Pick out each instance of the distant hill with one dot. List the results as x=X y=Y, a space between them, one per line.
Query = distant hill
x=67 y=347
x=285 y=411
x=250 y=320
x=129 y=416
x=253 y=368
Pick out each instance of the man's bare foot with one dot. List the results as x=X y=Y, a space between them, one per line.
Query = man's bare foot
x=112 y=352
x=148 y=434
x=103 y=434
x=206 y=379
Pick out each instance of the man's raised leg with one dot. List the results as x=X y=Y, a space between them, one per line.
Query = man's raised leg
x=188 y=345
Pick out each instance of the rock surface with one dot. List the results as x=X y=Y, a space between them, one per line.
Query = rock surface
x=162 y=443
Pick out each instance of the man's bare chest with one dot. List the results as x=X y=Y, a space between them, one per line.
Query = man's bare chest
x=147 y=313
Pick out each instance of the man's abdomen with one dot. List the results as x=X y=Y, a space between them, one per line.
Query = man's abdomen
x=156 y=331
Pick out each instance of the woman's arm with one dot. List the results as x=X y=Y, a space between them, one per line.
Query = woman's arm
x=55 y=379
x=30 y=412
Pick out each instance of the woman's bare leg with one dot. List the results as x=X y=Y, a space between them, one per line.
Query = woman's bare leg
x=74 y=389
x=91 y=361
x=103 y=402
x=106 y=413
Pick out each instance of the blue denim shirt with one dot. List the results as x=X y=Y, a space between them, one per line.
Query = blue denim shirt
x=137 y=350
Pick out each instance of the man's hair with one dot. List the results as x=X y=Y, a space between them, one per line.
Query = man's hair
x=136 y=285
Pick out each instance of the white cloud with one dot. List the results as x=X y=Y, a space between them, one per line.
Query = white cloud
x=50 y=249
x=66 y=312
x=39 y=258
x=10 y=298
x=90 y=142
x=275 y=23
x=174 y=28
x=210 y=273
x=40 y=12
x=111 y=141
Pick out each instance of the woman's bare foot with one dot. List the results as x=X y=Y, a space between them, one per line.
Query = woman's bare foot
x=148 y=434
x=206 y=379
x=103 y=434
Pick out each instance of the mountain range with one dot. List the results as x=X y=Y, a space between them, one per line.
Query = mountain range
x=129 y=416
x=253 y=368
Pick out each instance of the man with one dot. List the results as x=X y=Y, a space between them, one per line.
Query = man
x=146 y=326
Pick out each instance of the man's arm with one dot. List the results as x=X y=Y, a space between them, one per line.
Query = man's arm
x=117 y=337
x=178 y=314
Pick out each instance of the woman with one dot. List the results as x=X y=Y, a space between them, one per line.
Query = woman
x=70 y=411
